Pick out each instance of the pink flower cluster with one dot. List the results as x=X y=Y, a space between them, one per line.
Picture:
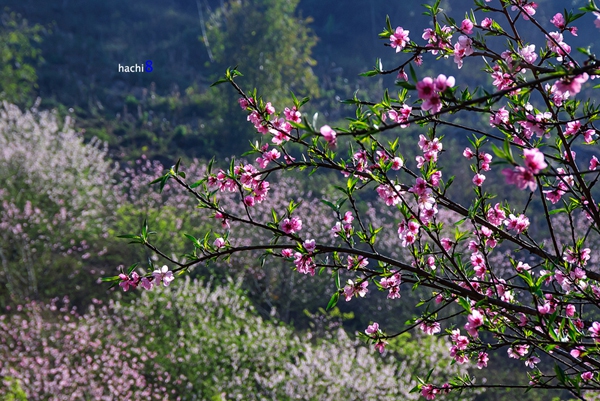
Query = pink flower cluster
x=247 y=178
x=160 y=275
x=345 y=226
x=280 y=127
x=424 y=195
x=358 y=288
x=524 y=177
x=437 y=42
x=391 y=196
x=400 y=116
x=54 y=353
x=392 y=283
x=457 y=350
x=408 y=232
x=374 y=332
x=429 y=91
x=462 y=48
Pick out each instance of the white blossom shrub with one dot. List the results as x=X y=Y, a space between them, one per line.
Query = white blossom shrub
x=213 y=336
x=56 y=199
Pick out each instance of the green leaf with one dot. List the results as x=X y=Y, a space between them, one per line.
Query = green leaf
x=462 y=301
x=131 y=268
x=219 y=82
x=333 y=301
x=413 y=74
x=129 y=236
x=560 y=374
x=369 y=73
x=303 y=101
x=196 y=184
x=330 y=204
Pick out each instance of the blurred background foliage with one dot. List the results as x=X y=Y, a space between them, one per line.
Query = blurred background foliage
x=74 y=178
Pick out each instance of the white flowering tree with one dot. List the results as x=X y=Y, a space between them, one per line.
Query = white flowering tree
x=54 y=201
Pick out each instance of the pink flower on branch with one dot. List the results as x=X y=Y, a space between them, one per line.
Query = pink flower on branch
x=291 y=226
x=359 y=288
x=372 y=329
x=399 y=39
x=329 y=135
x=164 y=275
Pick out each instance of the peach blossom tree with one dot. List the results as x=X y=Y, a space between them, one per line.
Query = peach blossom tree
x=501 y=274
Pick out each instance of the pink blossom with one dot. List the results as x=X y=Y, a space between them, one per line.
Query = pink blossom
x=432 y=104
x=309 y=245
x=435 y=178
x=557 y=45
x=304 y=264
x=243 y=103
x=380 y=346
x=475 y=318
x=527 y=8
x=358 y=288
x=487 y=23
x=517 y=351
x=499 y=117
x=397 y=163
x=462 y=49
x=594 y=162
x=390 y=195
x=219 y=243
x=146 y=283
x=528 y=54
x=595 y=331
x=502 y=80
x=588 y=136
x=482 y=360
x=572 y=85
x=329 y=135
x=163 y=275
x=429 y=392
x=401 y=116
x=586 y=376
x=291 y=226
x=466 y=26
x=269 y=109
x=399 y=39
x=446 y=244
x=519 y=224
x=532 y=361
x=249 y=201
x=478 y=179
x=426 y=88
x=572 y=127
x=356 y=262
x=559 y=21
x=372 y=329
x=430 y=328
x=521 y=177
x=129 y=282
x=441 y=83
x=292 y=114
x=534 y=160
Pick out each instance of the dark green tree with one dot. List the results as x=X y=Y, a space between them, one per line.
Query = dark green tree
x=272 y=45
x=19 y=55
